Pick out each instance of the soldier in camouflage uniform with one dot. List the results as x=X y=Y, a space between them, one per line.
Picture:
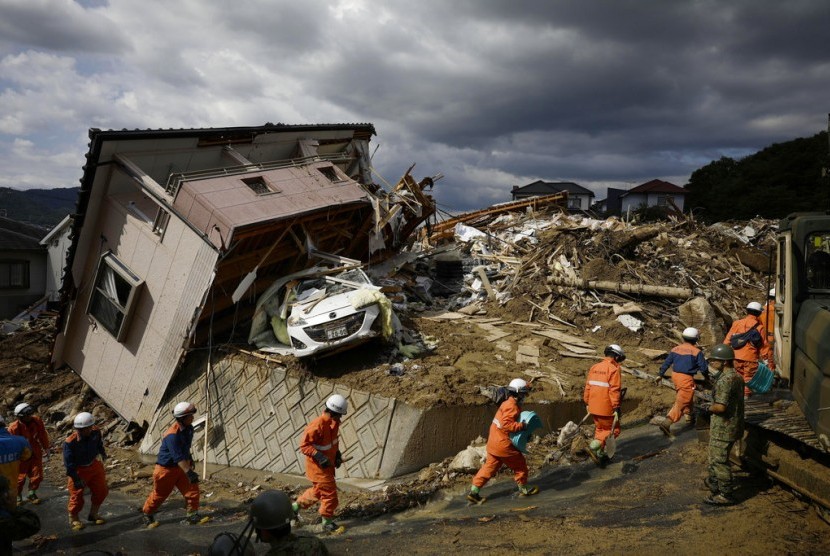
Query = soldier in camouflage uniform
x=271 y=515
x=726 y=425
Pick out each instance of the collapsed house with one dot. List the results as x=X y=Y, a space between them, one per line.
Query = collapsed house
x=177 y=232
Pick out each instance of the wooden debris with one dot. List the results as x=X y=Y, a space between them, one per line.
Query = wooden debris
x=620 y=287
x=527 y=354
x=564 y=338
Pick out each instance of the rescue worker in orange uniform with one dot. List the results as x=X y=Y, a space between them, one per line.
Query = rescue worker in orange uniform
x=746 y=357
x=602 y=396
x=685 y=360
x=84 y=469
x=767 y=319
x=500 y=449
x=14 y=449
x=320 y=447
x=30 y=426
x=175 y=469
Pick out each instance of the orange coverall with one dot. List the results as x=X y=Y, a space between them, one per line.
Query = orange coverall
x=500 y=450
x=167 y=474
x=320 y=436
x=602 y=396
x=35 y=432
x=767 y=319
x=746 y=358
x=83 y=454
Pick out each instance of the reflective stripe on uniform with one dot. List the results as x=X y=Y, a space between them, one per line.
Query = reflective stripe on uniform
x=324 y=447
x=497 y=423
x=599 y=383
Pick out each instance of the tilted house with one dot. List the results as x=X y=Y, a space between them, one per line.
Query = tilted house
x=654 y=193
x=579 y=198
x=170 y=222
x=22 y=266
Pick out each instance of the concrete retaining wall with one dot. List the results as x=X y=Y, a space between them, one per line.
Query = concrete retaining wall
x=258 y=413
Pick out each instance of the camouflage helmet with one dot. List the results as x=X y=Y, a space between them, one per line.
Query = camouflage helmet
x=271 y=509
x=230 y=544
x=722 y=352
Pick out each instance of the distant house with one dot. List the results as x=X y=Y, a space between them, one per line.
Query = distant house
x=654 y=193
x=22 y=266
x=57 y=244
x=612 y=203
x=579 y=198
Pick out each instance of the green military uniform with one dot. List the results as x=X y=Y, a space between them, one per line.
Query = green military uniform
x=725 y=429
x=297 y=545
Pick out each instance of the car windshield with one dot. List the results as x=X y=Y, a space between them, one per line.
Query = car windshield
x=308 y=286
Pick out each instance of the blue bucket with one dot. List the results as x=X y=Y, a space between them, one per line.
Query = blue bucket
x=519 y=439
x=762 y=381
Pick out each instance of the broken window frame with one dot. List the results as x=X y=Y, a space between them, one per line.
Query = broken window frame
x=330 y=173
x=260 y=186
x=114 y=295
x=14 y=274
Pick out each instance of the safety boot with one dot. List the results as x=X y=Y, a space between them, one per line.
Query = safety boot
x=295 y=509
x=33 y=497
x=719 y=500
x=329 y=526
x=475 y=497
x=195 y=518
x=664 y=424
x=96 y=519
x=149 y=521
x=525 y=490
x=75 y=522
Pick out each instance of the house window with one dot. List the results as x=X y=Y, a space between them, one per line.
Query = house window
x=114 y=295
x=574 y=202
x=260 y=185
x=330 y=173
x=663 y=200
x=14 y=274
x=161 y=221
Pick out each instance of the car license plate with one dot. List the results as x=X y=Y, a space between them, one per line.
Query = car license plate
x=337 y=332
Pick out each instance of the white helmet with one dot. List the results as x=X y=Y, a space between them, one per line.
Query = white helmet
x=518 y=385
x=772 y=292
x=23 y=409
x=183 y=409
x=337 y=404
x=615 y=350
x=83 y=420
x=754 y=306
x=691 y=333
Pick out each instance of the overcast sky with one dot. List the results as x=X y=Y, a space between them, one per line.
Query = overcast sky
x=490 y=93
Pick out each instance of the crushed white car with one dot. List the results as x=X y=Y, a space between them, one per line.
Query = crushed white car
x=320 y=310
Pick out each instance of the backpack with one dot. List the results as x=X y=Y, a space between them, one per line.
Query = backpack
x=751 y=336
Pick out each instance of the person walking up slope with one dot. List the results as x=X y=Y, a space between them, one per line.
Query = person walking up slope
x=602 y=396
x=30 y=426
x=175 y=469
x=500 y=449
x=748 y=339
x=685 y=360
x=84 y=469
x=322 y=454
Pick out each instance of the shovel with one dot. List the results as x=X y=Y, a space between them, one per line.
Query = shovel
x=251 y=276
x=611 y=441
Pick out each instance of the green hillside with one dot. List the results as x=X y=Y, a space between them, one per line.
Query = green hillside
x=40 y=207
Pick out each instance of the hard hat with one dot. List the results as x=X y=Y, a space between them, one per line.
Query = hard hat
x=771 y=292
x=691 y=333
x=616 y=350
x=23 y=409
x=83 y=420
x=337 y=404
x=271 y=509
x=183 y=409
x=518 y=385
x=754 y=306
x=229 y=544
x=722 y=352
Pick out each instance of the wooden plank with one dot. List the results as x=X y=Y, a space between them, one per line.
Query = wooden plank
x=578 y=355
x=579 y=349
x=563 y=337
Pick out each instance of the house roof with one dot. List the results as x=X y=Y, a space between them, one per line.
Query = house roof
x=657 y=186
x=19 y=236
x=547 y=187
x=56 y=231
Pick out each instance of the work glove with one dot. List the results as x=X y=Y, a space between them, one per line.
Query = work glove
x=192 y=476
x=659 y=380
x=338 y=459
x=321 y=460
x=78 y=483
x=618 y=414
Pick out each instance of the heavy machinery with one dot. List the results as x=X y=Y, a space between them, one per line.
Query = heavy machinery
x=789 y=427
